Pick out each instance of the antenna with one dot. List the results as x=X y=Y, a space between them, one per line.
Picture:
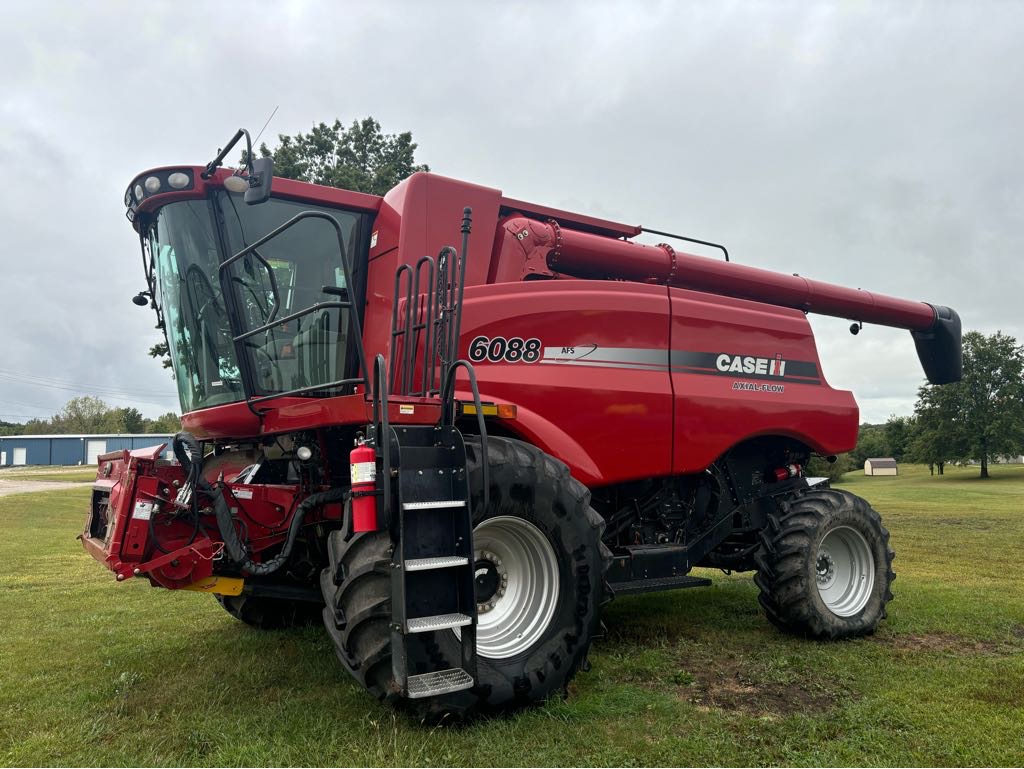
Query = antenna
x=254 y=141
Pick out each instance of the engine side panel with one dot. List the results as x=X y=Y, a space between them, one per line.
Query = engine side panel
x=627 y=383
x=743 y=369
x=594 y=389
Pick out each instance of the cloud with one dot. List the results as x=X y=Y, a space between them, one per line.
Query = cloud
x=868 y=144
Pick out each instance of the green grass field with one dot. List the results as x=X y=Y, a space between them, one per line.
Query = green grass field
x=93 y=672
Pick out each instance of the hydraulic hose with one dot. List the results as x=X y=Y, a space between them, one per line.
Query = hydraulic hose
x=188 y=453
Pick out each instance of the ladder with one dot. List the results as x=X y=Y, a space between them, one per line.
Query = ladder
x=425 y=488
x=432 y=574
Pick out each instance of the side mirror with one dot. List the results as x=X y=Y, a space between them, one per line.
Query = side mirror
x=260 y=178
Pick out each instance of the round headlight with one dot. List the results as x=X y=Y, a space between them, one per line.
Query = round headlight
x=138 y=193
x=304 y=453
x=152 y=184
x=236 y=184
x=178 y=180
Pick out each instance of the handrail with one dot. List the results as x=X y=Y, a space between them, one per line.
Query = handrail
x=404 y=332
x=412 y=325
x=445 y=307
x=353 y=316
x=427 y=324
x=293 y=316
x=448 y=415
x=309 y=389
x=380 y=422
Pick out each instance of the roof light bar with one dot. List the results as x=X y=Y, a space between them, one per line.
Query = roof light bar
x=151 y=184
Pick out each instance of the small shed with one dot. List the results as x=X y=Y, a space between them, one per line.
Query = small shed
x=880 y=466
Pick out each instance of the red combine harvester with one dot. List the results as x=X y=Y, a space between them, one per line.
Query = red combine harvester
x=454 y=450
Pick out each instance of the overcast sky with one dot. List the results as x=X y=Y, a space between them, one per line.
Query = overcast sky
x=877 y=145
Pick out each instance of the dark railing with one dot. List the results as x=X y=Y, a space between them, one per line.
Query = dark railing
x=383 y=436
x=418 y=321
x=272 y=320
x=432 y=317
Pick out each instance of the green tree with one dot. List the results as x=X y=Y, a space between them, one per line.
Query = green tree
x=899 y=432
x=84 y=414
x=165 y=423
x=11 y=428
x=160 y=350
x=819 y=467
x=934 y=441
x=37 y=426
x=982 y=416
x=124 y=420
x=871 y=442
x=360 y=157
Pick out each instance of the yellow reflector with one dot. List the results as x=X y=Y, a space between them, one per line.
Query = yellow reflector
x=218 y=585
x=502 y=410
x=489 y=409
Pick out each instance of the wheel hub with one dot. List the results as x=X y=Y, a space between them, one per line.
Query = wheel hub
x=515 y=576
x=490 y=580
x=826 y=568
x=844 y=571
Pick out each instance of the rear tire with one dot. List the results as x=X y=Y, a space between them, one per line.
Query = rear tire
x=270 y=613
x=535 y=502
x=825 y=566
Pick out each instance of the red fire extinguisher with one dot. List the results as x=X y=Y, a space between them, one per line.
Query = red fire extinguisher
x=363 y=465
x=789 y=471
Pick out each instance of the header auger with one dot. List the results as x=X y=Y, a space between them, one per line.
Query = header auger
x=454 y=455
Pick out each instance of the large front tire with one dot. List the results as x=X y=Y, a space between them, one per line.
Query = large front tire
x=825 y=566
x=540 y=536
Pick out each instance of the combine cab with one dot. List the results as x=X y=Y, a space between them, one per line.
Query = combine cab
x=453 y=449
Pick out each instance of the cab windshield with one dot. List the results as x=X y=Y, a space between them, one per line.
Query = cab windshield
x=205 y=307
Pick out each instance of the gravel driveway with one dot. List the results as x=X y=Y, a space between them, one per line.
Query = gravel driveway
x=8 y=486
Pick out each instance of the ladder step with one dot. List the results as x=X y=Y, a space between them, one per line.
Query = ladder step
x=443 y=562
x=436 y=622
x=434 y=505
x=438 y=682
x=660 y=583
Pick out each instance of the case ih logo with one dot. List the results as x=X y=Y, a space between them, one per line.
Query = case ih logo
x=745 y=364
x=738 y=366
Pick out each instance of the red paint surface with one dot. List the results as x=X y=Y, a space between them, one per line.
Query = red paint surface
x=608 y=423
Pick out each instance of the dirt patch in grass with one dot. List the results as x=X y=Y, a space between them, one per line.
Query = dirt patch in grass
x=732 y=684
x=951 y=643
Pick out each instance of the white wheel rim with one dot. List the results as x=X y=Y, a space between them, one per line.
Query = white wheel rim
x=845 y=571
x=519 y=612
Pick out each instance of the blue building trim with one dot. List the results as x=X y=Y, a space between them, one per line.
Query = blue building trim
x=70 y=449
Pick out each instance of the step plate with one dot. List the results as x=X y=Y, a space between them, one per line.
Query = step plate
x=437 y=683
x=438 y=504
x=445 y=562
x=654 y=585
x=436 y=622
